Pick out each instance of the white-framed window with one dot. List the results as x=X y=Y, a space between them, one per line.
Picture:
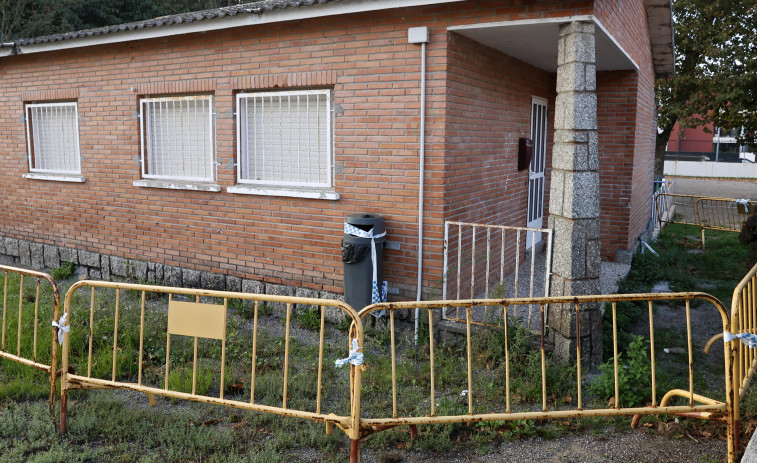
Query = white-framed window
x=52 y=134
x=284 y=139
x=177 y=138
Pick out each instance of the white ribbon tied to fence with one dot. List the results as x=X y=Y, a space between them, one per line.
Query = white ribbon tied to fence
x=355 y=358
x=62 y=327
x=750 y=339
x=376 y=296
x=744 y=202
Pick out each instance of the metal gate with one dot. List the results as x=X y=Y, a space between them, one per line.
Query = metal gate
x=491 y=261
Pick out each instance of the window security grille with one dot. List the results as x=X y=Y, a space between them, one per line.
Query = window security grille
x=177 y=138
x=284 y=138
x=53 y=138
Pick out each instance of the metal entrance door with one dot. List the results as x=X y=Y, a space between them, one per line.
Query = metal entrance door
x=536 y=169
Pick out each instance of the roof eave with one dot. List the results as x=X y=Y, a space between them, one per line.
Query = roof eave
x=660 y=24
x=100 y=37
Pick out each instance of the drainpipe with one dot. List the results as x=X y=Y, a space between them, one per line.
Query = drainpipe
x=420 y=35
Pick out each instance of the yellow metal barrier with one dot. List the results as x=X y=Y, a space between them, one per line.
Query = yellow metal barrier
x=190 y=315
x=193 y=315
x=722 y=214
x=30 y=354
x=696 y=404
x=675 y=208
x=707 y=213
x=743 y=320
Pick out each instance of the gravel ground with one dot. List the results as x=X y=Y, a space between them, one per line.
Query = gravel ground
x=608 y=445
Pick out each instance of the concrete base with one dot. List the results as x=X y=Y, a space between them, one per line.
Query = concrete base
x=750 y=454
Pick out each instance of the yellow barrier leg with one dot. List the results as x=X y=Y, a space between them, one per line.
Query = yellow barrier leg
x=63 y=410
x=354 y=451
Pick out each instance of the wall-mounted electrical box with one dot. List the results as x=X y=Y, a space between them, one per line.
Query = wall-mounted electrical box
x=525 y=152
x=417 y=35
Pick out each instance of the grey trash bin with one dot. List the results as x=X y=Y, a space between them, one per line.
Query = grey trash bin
x=356 y=256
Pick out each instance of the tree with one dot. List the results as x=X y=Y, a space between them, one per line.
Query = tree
x=716 y=70
x=25 y=18
x=32 y=18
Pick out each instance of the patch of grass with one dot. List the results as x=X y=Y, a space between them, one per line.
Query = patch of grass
x=680 y=262
x=66 y=270
x=104 y=428
x=181 y=379
x=310 y=319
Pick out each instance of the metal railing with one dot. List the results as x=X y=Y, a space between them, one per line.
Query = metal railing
x=491 y=261
x=743 y=320
x=722 y=214
x=20 y=351
x=193 y=315
x=476 y=410
x=662 y=208
x=707 y=213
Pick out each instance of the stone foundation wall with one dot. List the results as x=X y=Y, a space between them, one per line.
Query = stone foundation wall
x=97 y=266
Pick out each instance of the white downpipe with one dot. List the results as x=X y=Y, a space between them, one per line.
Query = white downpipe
x=422 y=165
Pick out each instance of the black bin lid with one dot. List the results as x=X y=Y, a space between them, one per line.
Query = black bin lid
x=366 y=221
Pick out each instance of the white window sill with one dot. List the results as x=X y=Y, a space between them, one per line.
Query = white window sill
x=74 y=178
x=307 y=193
x=177 y=185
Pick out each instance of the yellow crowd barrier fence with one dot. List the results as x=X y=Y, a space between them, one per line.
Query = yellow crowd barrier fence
x=744 y=322
x=30 y=307
x=141 y=338
x=694 y=403
x=189 y=320
x=708 y=213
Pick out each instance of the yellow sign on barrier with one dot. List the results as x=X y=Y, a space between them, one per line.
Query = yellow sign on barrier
x=197 y=320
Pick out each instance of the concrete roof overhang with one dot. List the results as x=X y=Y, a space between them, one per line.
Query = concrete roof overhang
x=660 y=23
x=535 y=42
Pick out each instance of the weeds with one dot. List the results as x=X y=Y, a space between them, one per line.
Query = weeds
x=634 y=376
x=310 y=318
x=63 y=272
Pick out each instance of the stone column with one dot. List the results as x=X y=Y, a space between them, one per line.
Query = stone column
x=574 y=196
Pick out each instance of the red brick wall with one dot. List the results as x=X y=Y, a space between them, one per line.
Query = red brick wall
x=374 y=74
x=616 y=114
x=692 y=138
x=488 y=110
x=627 y=160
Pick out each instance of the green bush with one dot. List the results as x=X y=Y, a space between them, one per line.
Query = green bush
x=634 y=376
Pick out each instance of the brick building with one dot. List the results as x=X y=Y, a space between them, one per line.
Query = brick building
x=225 y=148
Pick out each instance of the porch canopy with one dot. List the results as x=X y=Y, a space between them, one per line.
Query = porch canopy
x=534 y=41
